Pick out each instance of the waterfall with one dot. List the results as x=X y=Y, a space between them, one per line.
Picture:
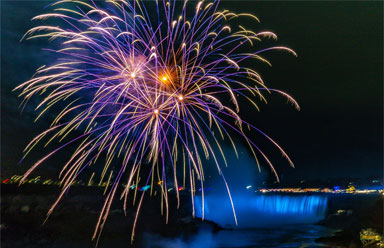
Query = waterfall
x=262 y=210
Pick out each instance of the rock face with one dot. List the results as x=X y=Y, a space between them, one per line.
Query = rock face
x=362 y=212
x=25 y=209
x=73 y=221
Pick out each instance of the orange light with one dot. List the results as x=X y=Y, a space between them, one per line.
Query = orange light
x=164 y=78
x=156 y=111
x=181 y=98
x=133 y=75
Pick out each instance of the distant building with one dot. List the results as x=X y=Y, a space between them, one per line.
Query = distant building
x=351 y=189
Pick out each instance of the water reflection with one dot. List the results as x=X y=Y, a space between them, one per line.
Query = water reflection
x=289 y=236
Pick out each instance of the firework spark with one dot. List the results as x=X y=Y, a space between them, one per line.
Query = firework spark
x=152 y=85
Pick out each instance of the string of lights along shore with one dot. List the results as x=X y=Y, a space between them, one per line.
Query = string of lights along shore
x=152 y=85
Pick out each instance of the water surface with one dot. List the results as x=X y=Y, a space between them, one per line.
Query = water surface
x=294 y=236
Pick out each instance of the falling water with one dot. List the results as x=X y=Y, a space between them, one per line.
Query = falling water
x=262 y=210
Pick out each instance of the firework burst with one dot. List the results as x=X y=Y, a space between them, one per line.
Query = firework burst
x=148 y=84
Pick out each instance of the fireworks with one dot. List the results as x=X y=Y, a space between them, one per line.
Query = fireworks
x=153 y=86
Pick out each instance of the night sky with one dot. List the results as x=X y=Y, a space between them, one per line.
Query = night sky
x=337 y=79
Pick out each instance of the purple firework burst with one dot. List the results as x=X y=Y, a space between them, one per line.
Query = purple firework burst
x=148 y=84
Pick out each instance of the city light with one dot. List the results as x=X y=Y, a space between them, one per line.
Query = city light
x=350 y=189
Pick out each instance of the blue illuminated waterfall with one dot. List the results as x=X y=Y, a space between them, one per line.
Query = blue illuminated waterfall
x=262 y=210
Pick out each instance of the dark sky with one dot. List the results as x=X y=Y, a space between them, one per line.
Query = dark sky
x=337 y=79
